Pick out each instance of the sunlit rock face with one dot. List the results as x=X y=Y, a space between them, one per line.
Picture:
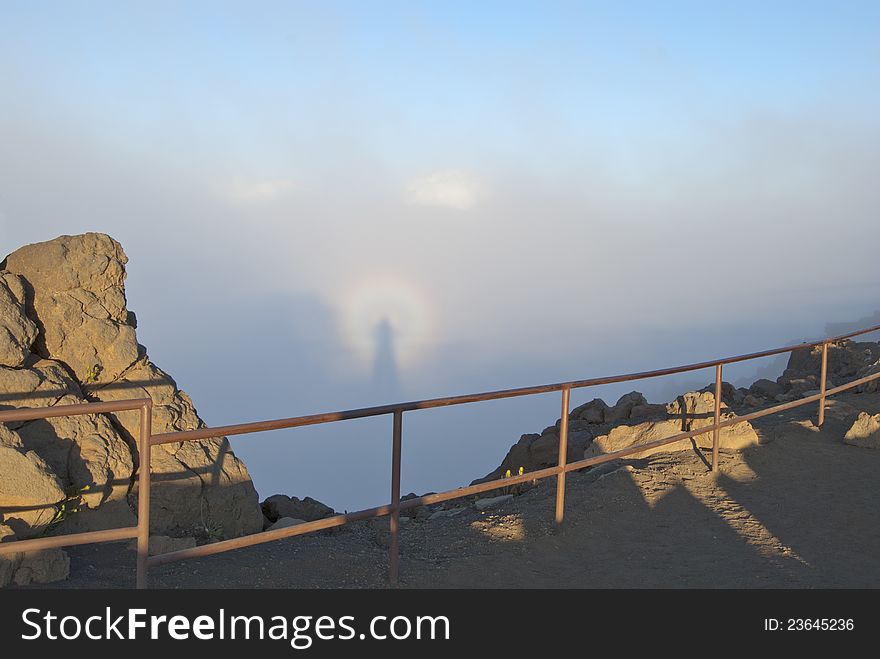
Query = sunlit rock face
x=66 y=337
x=595 y=428
x=865 y=431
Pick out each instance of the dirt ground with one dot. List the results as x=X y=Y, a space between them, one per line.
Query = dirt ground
x=802 y=510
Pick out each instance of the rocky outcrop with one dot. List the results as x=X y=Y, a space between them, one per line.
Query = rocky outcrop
x=596 y=428
x=17 y=331
x=66 y=336
x=865 y=431
x=75 y=294
x=847 y=361
x=690 y=411
x=45 y=566
x=223 y=501
x=279 y=506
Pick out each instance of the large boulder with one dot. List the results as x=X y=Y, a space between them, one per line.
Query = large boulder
x=17 y=331
x=90 y=458
x=72 y=290
x=75 y=295
x=199 y=488
x=280 y=506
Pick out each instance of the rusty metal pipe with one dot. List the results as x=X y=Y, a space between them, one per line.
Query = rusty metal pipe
x=143 y=537
x=31 y=413
x=339 y=520
x=294 y=422
x=716 y=440
x=824 y=384
x=51 y=542
x=394 y=520
x=563 y=456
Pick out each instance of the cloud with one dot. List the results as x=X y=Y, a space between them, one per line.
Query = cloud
x=247 y=191
x=448 y=189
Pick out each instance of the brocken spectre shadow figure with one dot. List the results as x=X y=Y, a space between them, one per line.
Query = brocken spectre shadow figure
x=386 y=385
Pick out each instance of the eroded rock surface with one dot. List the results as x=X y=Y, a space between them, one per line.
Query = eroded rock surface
x=67 y=337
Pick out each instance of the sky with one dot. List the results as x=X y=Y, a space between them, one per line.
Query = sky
x=336 y=204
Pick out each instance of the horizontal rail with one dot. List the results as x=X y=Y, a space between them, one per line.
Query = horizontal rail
x=479 y=488
x=141 y=532
x=364 y=412
x=31 y=413
x=37 y=544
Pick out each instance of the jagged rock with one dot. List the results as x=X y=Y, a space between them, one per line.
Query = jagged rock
x=32 y=567
x=533 y=452
x=647 y=411
x=690 y=411
x=76 y=297
x=847 y=360
x=765 y=388
x=17 y=331
x=278 y=506
x=623 y=407
x=729 y=394
x=74 y=293
x=578 y=424
x=29 y=490
x=865 y=431
x=751 y=401
x=198 y=487
x=89 y=457
x=592 y=412
x=544 y=451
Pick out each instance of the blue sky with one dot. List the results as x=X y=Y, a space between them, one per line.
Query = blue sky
x=524 y=191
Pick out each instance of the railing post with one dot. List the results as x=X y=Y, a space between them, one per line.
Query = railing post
x=143 y=525
x=394 y=522
x=715 y=433
x=823 y=385
x=563 y=456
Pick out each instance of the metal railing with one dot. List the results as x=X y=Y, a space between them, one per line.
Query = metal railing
x=393 y=509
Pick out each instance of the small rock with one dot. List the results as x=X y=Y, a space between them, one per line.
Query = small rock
x=865 y=431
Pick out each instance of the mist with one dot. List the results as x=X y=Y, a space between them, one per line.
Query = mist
x=314 y=223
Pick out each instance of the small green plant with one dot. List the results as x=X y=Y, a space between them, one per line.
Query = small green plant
x=213 y=530
x=69 y=505
x=516 y=488
x=92 y=374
